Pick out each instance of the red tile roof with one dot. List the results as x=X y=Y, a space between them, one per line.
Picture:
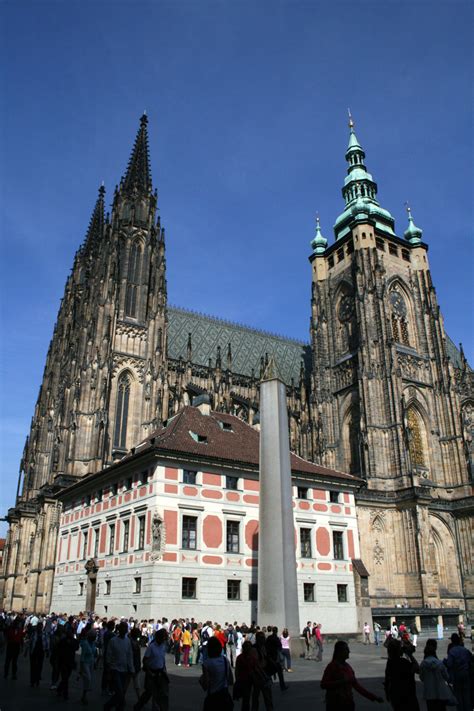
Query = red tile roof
x=237 y=444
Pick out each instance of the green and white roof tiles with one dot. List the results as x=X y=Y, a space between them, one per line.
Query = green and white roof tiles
x=248 y=345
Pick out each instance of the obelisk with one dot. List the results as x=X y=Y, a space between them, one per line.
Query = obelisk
x=277 y=586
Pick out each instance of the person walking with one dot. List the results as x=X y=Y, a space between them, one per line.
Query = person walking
x=435 y=677
x=156 y=677
x=399 y=684
x=216 y=678
x=459 y=662
x=307 y=640
x=339 y=680
x=135 y=636
x=273 y=646
x=285 y=649
x=14 y=639
x=246 y=674
x=67 y=648
x=36 y=644
x=377 y=631
x=88 y=656
x=319 y=642
x=120 y=663
x=414 y=633
x=366 y=633
x=186 y=642
x=261 y=679
x=230 y=646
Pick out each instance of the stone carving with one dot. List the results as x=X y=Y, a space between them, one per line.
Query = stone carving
x=414 y=368
x=91 y=567
x=135 y=364
x=378 y=553
x=377 y=519
x=157 y=536
x=345 y=374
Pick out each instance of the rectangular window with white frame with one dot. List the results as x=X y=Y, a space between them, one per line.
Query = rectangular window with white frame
x=342 y=593
x=141 y=532
x=108 y=587
x=189 y=533
x=96 y=541
x=111 y=538
x=85 y=537
x=233 y=536
x=137 y=586
x=126 y=536
x=305 y=543
x=308 y=592
x=189 y=588
x=338 y=544
x=233 y=589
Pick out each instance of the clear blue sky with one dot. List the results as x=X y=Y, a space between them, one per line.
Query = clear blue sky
x=247 y=110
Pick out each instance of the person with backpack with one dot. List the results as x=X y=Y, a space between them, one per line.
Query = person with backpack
x=216 y=678
x=206 y=633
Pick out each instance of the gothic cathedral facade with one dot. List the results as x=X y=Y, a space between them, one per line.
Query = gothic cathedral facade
x=379 y=391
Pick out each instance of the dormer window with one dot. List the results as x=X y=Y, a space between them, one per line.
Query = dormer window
x=198 y=437
x=226 y=426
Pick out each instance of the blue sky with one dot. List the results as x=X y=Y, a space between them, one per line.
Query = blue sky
x=247 y=106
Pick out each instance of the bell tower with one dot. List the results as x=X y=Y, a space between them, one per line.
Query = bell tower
x=384 y=399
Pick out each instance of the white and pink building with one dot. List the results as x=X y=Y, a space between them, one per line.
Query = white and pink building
x=172 y=530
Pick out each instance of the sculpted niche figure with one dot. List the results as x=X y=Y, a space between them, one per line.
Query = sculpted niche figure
x=156 y=536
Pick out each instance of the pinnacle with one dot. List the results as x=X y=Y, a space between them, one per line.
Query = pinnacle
x=138 y=175
x=96 y=224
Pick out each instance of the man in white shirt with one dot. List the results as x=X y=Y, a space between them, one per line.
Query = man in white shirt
x=119 y=659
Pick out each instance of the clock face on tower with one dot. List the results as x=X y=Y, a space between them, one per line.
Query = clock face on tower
x=345 y=310
x=398 y=304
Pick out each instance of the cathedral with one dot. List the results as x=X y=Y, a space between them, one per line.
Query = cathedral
x=379 y=390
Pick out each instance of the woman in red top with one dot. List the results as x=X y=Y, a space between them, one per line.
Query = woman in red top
x=339 y=680
x=220 y=635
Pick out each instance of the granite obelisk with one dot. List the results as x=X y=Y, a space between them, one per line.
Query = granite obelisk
x=277 y=586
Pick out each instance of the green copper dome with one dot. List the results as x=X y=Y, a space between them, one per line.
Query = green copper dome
x=319 y=243
x=359 y=192
x=412 y=233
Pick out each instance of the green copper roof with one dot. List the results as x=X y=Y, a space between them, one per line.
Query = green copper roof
x=360 y=192
x=412 y=233
x=319 y=243
x=248 y=345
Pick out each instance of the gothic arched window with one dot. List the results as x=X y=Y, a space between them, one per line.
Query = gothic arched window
x=416 y=438
x=121 y=411
x=133 y=280
x=399 y=318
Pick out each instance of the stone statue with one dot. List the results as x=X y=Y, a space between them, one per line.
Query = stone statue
x=156 y=536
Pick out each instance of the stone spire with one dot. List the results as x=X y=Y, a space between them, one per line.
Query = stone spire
x=412 y=233
x=95 y=230
x=319 y=243
x=359 y=192
x=138 y=175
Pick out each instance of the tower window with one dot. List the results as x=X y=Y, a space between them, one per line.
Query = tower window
x=121 y=411
x=380 y=244
x=133 y=280
x=340 y=255
x=393 y=249
x=330 y=262
x=415 y=438
x=406 y=255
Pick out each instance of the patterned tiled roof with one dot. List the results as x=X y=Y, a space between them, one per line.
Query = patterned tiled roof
x=194 y=434
x=454 y=353
x=248 y=345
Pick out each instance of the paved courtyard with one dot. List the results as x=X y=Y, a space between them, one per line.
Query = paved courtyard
x=186 y=694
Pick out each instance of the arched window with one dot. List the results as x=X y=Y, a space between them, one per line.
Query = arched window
x=121 y=411
x=416 y=438
x=133 y=280
x=399 y=318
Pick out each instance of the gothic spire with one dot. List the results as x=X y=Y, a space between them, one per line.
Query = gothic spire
x=360 y=192
x=96 y=224
x=138 y=175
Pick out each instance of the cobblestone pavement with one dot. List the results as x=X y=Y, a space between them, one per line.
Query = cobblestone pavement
x=186 y=694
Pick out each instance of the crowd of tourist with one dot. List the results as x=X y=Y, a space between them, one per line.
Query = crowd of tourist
x=238 y=663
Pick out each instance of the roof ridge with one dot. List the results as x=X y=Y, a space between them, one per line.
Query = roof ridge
x=227 y=322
